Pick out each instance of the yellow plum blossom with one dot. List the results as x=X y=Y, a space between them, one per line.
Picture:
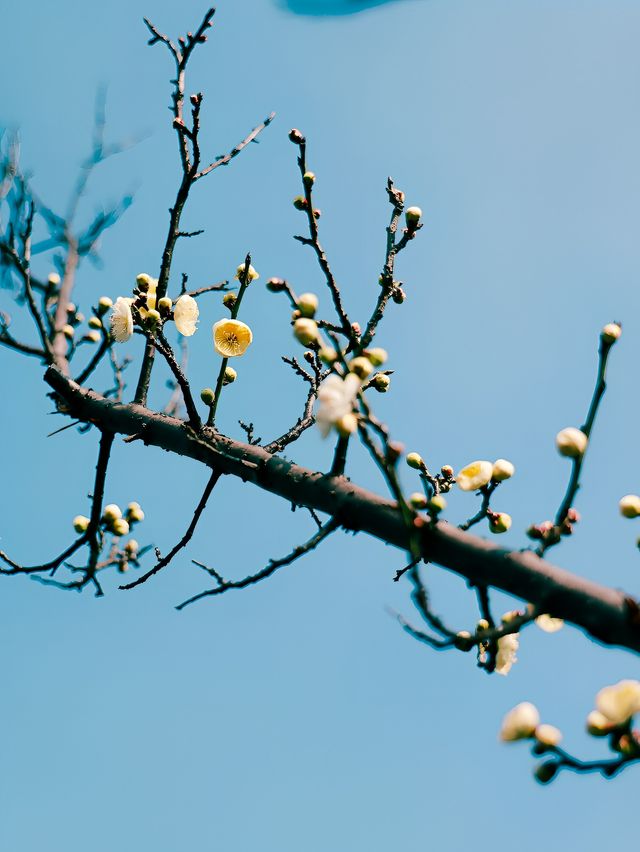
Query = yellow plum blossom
x=231 y=337
x=474 y=475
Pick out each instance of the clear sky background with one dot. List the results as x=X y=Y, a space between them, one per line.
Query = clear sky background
x=296 y=716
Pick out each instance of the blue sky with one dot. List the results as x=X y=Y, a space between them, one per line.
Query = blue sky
x=297 y=716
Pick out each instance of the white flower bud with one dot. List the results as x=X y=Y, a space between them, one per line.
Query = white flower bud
x=111 y=513
x=120 y=527
x=307 y=304
x=629 y=506
x=548 y=735
x=571 y=442
x=502 y=469
x=520 y=723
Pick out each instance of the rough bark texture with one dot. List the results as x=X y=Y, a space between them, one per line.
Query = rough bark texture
x=605 y=614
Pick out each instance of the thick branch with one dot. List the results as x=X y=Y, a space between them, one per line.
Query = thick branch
x=606 y=614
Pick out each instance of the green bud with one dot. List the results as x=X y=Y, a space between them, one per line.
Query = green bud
x=377 y=356
x=230 y=375
x=300 y=202
x=120 y=527
x=418 y=500
x=414 y=460
x=164 y=305
x=361 y=366
x=229 y=300
x=437 y=504
x=327 y=355
x=95 y=322
x=207 y=396
x=80 y=523
x=309 y=178
x=381 y=382
x=307 y=304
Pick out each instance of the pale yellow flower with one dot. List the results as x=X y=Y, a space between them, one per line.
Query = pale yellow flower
x=506 y=657
x=474 y=475
x=122 y=320
x=185 y=315
x=231 y=337
x=520 y=723
x=336 y=399
x=619 y=702
x=549 y=624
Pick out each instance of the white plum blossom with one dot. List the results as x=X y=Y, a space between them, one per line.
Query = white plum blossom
x=474 y=475
x=549 y=624
x=185 y=315
x=520 y=723
x=507 y=648
x=122 y=320
x=336 y=397
x=618 y=703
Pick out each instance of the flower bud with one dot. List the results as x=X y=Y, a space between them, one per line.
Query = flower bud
x=300 y=202
x=230 y=375
x=123 y=566
x=95 y=322
x=53 y=279
x=414 y=460
x=305 y=331
x=412 y=216
x=68 y=331
x=296 y=137
x=93 y=336
x=437 y=504
x=611 y=332
x=571 y=442
x=398 y=295
x=502 y=469
x=482 y=625
x=520 y=723
x=132 y=547
x=252 y=274
x=447 y=471
x=629 y=506
x=146 y=283
x=71 y=308
x=120 y=527
x=361 y=366
x=80 y=523
x=152 y=318
x=164 y=305
x=307 y=304
x=346 y=425
x=229 y=300
x=78 y=319
x=135 y=513
x=308 y=178
x=276 y=285
x=548 y=735
x=418 y=500
x=546 y=771
x=104 y=304
x=111 y=513
x=381 y=382
x=377 y=356
x=207 y=396
x=499 y=522
x=597 y=724
x=327 y=355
